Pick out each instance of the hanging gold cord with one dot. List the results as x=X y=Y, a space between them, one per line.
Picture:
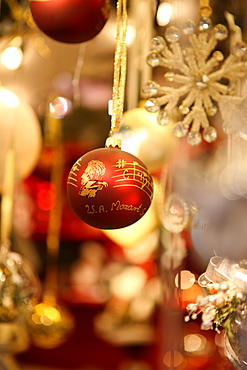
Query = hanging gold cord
x=120 y=62
x=7 y=196
x=54 y=140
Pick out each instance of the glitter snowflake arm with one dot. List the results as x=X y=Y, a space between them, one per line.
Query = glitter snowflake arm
x=195 y=119
x=179 y=59
x=202 y=46
x=231 y=69
x=174 y=94
x=168 y=58
x=205 y=78
x=213 y=62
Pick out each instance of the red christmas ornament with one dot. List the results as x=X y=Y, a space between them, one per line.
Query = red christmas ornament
x=109 y=188
x=70 y=21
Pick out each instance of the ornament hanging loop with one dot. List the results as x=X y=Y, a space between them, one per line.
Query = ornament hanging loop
x=205 y=8
x=113 y=142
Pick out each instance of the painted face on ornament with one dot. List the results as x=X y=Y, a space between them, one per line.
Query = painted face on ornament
x=91 y=179
x=111 y=191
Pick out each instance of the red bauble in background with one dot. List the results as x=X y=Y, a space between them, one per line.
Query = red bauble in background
x=70 y=21
x=109 y=188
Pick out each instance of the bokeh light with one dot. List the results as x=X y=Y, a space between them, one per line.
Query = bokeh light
x=60 y=107
x=12 y=57
x=164 y=13
x=46 y=196
x=173 y=359
x=131 y=34
x=184 y=279
x=194 y=343
x=128 y=283
x=9 y=99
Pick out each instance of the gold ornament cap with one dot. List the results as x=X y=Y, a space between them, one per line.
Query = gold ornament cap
x=205 y=9
x=113 y=142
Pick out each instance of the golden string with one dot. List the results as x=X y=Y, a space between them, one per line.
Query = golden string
x=54 y=139
x=15 y=9
x=204 y=3
x=7 y=196
x=120 y=66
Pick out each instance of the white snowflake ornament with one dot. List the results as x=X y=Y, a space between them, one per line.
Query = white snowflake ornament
x=201 y=76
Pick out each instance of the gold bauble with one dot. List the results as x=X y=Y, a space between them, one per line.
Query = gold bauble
x=14 y=337
x=19 y=288
x=49 y=325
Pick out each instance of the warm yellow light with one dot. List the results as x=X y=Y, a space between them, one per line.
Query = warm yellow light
x=128 y=283
x=46 y=314
x=184 y=280
x=130 y=35
x=9 y=99
x=12 y=57
x=143 y=249
x=18 y=124
x=46 y=321
x=53 y=314
x=194 y=342
x=141 y=308
x=40 y=308
x=134 y=140
x=164 y=13
x=36 y=318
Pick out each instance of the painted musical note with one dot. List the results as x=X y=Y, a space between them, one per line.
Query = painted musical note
x=133 y=174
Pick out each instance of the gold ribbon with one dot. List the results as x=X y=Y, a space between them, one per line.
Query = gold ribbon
x=120 y=66
x=54 y=140
x=7 y=196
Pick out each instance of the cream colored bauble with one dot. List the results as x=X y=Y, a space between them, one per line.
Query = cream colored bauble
x=143 y=137
x=130 y=236
x=19 y=126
